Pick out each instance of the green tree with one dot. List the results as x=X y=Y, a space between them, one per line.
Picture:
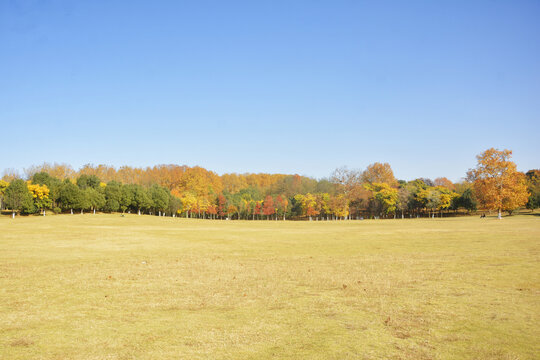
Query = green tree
x=127 y=196
x=44 y=178
x=85 y=181
x=175 y=205
x=113 y=196
x=533 y=185
x=159 y=197
x=466 y=201
x=141 y=200
x=3 y=187
x=95 y=199
x=70 y=196
x=17 y=197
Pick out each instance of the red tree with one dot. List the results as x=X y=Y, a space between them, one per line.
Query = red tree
x=222 y=205
x=282 y=204
x=257 y=209
x=211 y=210
x=268 y=208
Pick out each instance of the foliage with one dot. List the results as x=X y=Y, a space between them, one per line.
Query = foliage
x=386 y=195
x=40 y=195
x=497 y=183
x=379 y=173
x=70 y=196
x=85 y=181
x=17 y=197
x=533 y=186
x=197 y=192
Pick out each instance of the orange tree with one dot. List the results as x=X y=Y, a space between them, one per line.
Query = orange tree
x=497 y=183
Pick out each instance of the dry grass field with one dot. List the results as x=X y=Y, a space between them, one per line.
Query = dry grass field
x=112 y=287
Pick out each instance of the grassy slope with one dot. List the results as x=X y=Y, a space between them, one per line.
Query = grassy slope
x=107 y=287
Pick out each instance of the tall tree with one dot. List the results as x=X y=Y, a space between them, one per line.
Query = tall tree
x=497 y=183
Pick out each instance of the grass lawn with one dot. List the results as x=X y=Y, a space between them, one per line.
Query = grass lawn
x=142 y=287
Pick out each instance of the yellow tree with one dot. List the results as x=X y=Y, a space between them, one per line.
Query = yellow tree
x=497 y=183
x=40 y=194
x=188 y=202
x=386 y=195
x=339 y=206
x=3 y=187
x=379 y=173
x=446 y=196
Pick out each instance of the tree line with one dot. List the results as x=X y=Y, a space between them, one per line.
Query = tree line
x=182 y=191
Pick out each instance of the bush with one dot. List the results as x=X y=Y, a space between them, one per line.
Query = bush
x=57 y=210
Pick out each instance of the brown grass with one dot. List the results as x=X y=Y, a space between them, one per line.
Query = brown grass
x=107 y=287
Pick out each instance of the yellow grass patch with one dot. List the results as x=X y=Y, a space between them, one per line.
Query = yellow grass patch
x=111 y=287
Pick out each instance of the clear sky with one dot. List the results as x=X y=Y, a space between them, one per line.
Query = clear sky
x=270 y=86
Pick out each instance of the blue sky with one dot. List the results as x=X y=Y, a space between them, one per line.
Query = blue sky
x=270 y=86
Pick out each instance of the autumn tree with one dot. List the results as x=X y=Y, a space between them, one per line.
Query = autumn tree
x=403 y=199
x=222 y=205
x=339 y=206
x=444 y=182
x=385 y=195
x=40 y=194
x=231 y=210
x=282 y=204
x=497 y=183
x=257 y=209
x=268 y=207
x=379 y=173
